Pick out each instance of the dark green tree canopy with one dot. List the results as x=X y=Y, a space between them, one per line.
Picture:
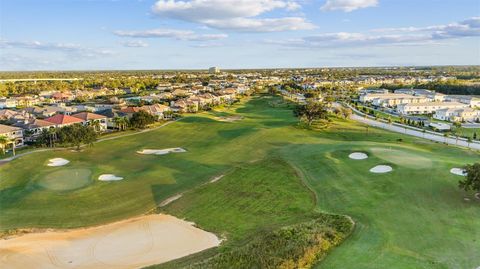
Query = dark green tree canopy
x=141 y=119
x=472 y=180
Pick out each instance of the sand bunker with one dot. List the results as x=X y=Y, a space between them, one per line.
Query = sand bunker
x=170 y=199
x=132 y=243
x=358 y=156
x=161 y=151
x=109 y=177
x=381 y=169
x=57 y=162
x=217 y=178
x=458 y=171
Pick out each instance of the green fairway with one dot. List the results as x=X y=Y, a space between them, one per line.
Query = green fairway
x=250 y=208
x=412 y=217
x=255 y=196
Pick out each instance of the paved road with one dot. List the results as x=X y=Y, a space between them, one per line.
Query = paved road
x=427 y=135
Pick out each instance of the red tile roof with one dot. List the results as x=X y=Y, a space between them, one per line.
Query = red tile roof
x=63 y=119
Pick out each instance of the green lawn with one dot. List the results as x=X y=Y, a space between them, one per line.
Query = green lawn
x=468 y=132
x=413 y=217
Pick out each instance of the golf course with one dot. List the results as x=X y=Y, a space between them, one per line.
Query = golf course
x=248 y=172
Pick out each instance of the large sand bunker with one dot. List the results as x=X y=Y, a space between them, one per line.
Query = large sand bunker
x=380 y=169
x=132 y=243
x=358 y=156
x=57 y=162
x=458 y=171
x=109 y=177
x=161 y=151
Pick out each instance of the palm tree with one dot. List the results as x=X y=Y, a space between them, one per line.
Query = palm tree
x=3 y=142
x=52 y=135
x=96 y=125
x=117 y=120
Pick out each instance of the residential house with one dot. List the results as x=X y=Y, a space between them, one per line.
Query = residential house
x=13 y=116
x=62 y=97
x=181 y=93
x=13 y=133
x=184 y=105
x=92 y=118
x=111 y=114
x=26 y=101
x=34 y=127
x=391 y=99
x=155 y=109
x=61 y=120
x=457 y=114
x=427 y=107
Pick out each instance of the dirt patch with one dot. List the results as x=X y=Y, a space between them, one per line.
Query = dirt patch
x=132 y=243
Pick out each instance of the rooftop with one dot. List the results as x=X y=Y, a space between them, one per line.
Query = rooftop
x=63 y=119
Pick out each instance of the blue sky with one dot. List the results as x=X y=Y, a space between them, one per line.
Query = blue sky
x=196 y=34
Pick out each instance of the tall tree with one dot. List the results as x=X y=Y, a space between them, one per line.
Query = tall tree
x=472 y=179
x=141 y=119
x=311 y=111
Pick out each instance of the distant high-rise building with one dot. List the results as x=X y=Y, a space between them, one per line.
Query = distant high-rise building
x=214 y=70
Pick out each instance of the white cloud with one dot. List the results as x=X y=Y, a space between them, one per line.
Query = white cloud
x=72 y=49
x=261 y=25
x=390 y=36
x=348 y=5
x=236 y=15
x=171 y=33
x=135 y=44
